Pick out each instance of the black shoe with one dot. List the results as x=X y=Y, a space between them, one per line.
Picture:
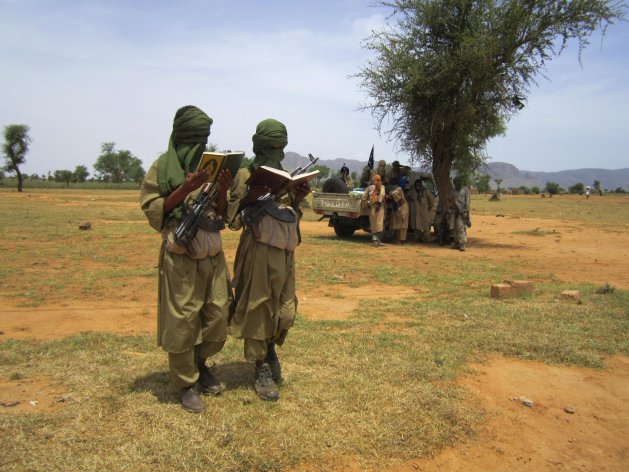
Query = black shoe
x=207 y=383
x=263 y=383
x=274 y=363
x=191 y=400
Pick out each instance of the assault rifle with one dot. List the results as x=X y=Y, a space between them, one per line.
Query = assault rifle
x=188 y=227
x=214 y=163
x=251 y=214
x=465 y=214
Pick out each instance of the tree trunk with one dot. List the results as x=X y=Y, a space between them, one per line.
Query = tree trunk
x=20 y=179
x=441 y=167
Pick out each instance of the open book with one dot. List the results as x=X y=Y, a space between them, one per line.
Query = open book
x=214 y=162
x=277 y=179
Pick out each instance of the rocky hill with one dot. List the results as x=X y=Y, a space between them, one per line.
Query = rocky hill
x=511 y=176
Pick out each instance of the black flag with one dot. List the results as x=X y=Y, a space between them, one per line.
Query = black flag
x=370 y=161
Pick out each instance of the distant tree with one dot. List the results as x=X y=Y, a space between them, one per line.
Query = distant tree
x=525 y=190
x=63 y=176
x=577 y=188
x=324 y=171
x=80 y=174
x=211 y=147
x=117 y=166
x=535 y=190
x=354 y=176
x=246 y=162
x=597 y=187
x=619 y=190
x=15 y=147
x=34 y=177
x=481 y=182
x=138 y=174
x=498 y=182
x=553 y=188
x=1 y=175
x=447 y=75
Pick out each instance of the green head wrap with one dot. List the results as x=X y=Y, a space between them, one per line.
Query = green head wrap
x=191 y=129
x=268 y=144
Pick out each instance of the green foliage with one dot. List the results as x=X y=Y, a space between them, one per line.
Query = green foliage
x=324 y=171
x=525 y=190
x=63 y=176
x=577 y=188
x=15 y=147
x=535 y=190
x=118 y=166
x=553 y=188
x=447 y=75
x=80 y=174
x=481 y=182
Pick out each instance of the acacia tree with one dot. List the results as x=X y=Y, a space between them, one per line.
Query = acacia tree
x=448 y=74
x=118 y=166
x=63 y=175
x=15 y=147
x=80 y=173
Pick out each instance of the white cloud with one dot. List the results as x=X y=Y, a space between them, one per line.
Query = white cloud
x=84 y=73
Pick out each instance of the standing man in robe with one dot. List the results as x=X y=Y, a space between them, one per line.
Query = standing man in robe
x=265 y=302
x=399 y=216
x=459 y=213
x=422 y=201
x=374 y=196
x=194 y=290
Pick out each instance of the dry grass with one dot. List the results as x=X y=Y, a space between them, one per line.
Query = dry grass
x=374 y=389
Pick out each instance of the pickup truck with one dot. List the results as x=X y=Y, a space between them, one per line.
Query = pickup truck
x=347 y=212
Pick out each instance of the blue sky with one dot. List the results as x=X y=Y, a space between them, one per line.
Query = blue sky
x=83 y=73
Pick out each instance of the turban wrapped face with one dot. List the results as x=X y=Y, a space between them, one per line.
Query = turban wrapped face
x=268 y=144
x=191 y=129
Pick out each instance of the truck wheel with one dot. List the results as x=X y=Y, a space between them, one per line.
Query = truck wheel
x=334 y=185
x=343 y=231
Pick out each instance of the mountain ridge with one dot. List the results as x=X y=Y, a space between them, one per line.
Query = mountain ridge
x=511 y=176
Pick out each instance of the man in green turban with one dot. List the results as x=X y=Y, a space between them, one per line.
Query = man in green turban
x=194 y=291
x=264 y=269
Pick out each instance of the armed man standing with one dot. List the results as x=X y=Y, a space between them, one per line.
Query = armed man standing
x=194 y=291
x=265 y=302
x=459 y=215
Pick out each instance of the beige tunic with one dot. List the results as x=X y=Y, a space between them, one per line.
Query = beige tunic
x=376 y=210
x=194 y=291
x=460 y=198
x=264 y=272
x=421 y=206
x=399 y=218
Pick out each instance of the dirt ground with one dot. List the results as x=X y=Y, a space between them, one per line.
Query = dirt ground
x=517 y=437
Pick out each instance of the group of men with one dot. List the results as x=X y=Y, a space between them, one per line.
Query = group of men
x=413 y=206
x=198 y=303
